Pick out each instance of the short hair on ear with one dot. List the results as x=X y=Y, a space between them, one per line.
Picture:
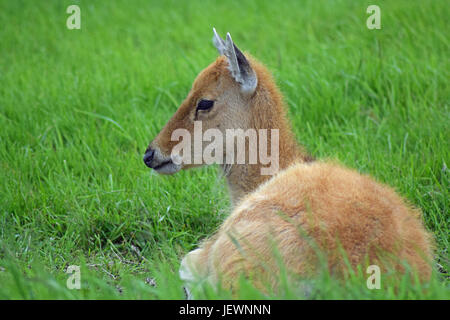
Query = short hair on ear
x=238 y=64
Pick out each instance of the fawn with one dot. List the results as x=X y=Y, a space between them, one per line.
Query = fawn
x=308 y=205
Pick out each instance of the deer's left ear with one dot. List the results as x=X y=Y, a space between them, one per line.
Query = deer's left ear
x=238 y=64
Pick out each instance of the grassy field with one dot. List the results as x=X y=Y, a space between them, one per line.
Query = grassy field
x=78 y=108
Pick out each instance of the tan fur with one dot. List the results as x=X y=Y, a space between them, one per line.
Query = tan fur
x=262 y=110
x=316 y=206
x=307 y=206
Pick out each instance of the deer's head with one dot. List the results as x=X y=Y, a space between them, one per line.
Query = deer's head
x=219 y=98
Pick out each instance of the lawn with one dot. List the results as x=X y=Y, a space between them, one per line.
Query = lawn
x=79 y=107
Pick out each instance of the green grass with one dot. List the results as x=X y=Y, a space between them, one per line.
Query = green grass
x=78 y=108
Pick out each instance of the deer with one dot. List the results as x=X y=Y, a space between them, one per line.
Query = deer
x=308 y=206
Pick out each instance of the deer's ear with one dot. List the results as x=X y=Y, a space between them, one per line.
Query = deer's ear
x=218 y=42
x=238 y=64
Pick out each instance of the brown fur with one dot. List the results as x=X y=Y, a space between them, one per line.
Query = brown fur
x=317 y=206
x=263 y=110
x=307 y=206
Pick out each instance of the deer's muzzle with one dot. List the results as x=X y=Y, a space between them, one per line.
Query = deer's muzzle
x=154 y=159
x=148 y=157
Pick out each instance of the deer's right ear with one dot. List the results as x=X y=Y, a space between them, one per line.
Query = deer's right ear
x=239 y=66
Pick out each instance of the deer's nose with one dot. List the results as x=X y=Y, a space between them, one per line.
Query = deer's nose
x=148 y=157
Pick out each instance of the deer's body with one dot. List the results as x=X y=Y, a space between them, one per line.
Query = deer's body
x=308 y=205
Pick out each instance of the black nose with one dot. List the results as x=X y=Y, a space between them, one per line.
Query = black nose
x=148 y=157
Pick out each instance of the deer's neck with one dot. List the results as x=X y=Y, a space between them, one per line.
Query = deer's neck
x=243 y=179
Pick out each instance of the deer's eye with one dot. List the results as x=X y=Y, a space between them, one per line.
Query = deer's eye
x=205 y=104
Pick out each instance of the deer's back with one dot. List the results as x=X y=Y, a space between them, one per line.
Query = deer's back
x=329 y=207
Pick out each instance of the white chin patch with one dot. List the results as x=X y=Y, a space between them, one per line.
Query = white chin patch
x=168 y=168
